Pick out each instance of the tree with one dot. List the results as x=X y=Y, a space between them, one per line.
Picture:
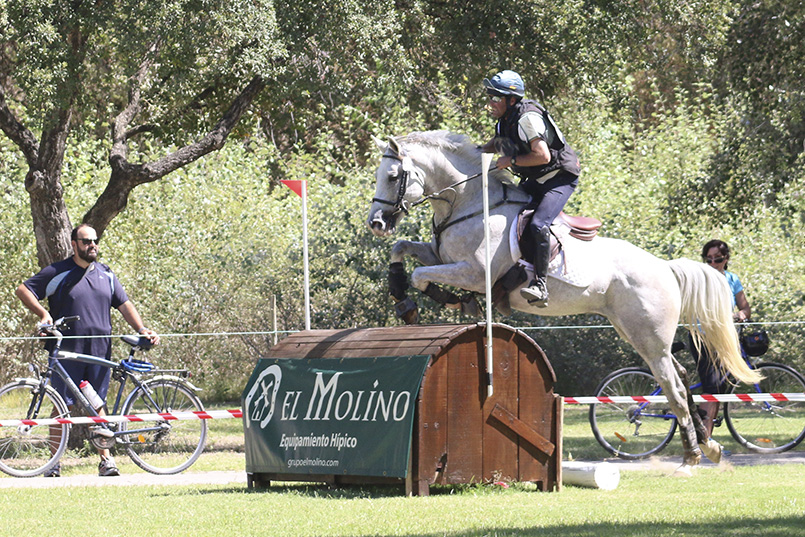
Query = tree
x=66 y=65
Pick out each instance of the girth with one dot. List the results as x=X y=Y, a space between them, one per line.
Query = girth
x=438 y=229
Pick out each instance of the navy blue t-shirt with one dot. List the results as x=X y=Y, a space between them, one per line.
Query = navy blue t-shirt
x=90 y=293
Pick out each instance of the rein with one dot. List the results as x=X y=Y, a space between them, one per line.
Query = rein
x=401 y=205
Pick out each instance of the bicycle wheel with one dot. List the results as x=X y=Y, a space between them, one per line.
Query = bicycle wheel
x=769 y=427
x=631 y=430
x=30 y=450
x=168 y=446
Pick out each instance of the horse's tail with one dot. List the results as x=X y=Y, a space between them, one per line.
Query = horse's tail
x=707 y=311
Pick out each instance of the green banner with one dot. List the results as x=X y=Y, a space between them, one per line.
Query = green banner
x=347 y=416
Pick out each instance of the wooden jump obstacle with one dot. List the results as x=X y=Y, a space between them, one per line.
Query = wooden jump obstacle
x=459 y=435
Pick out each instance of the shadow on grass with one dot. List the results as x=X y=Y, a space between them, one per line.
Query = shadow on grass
x=751 y=527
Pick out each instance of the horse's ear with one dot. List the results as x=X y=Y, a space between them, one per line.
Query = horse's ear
x=394 y=145
x=380 y=143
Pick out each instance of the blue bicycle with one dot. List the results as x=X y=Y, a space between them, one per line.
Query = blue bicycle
x=160 y=447
x=638 y=430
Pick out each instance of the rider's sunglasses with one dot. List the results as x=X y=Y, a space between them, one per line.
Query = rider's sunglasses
x=87 y=242
x=713 y=260
x=495 y=98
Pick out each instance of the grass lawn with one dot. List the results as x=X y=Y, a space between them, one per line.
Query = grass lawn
x=737 y=501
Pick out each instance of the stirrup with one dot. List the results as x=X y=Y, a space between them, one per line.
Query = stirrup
x=536 y=293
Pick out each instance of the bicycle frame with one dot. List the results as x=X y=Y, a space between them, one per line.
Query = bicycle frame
x=55 y=366
x=668 y=416
x=658 y=391
x=162 y=446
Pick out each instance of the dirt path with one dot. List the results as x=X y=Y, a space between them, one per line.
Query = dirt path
x=140 y=478
x=239 y=477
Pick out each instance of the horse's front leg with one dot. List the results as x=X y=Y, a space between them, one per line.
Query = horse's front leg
x=423 y=252
x=461 y=275
x=398 y=281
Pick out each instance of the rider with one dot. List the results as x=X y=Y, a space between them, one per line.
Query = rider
x=536 y=150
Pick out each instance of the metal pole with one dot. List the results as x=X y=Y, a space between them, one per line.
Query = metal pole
x=275 y=338
x=486 y=159
x=304 y=249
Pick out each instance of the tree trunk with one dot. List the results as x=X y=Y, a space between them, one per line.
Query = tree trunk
x=50 y=219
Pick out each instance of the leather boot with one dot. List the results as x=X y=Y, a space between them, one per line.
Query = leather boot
x=537 y=291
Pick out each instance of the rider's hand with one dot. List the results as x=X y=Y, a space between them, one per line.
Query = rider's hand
x=503 y=163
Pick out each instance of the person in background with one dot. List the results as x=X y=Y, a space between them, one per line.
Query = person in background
x=535 y=149
x=716 y=253
x=80 y=285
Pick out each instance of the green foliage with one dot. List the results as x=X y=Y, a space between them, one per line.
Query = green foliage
x=688 y=119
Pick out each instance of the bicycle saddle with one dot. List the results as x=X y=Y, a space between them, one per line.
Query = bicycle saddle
x=139 y=342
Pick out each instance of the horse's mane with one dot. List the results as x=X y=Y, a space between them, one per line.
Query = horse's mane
x=460 y=144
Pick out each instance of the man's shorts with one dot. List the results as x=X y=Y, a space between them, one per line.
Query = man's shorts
x=97 y=375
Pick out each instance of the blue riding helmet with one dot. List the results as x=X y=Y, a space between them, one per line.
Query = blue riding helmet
x=505 y=83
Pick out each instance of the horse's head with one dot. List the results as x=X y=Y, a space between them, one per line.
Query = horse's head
x=399 y=183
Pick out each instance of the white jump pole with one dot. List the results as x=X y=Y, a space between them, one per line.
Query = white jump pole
x=601 y=475
x=486 y=159
x=306 y=265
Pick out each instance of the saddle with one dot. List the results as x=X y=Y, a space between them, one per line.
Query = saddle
x=583 y=228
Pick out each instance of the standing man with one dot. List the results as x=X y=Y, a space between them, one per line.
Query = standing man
x=79 y=285
x=536 y=150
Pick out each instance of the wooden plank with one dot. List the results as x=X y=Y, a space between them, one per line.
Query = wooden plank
x=464 y=411
x=534 y=410
x=522 y=430
x=556 y=460
x=500 y=447
x=327 y=350
x=431 y=427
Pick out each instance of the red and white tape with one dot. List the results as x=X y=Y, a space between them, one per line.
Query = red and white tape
x=723 y=398
x=162 y=416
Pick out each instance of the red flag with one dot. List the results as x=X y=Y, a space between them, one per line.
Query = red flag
x=296 y=186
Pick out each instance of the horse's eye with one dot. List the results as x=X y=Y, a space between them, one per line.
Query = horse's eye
x=393 y=173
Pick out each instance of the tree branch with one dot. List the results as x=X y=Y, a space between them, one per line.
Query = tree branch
x=125 y=176
x=19 y=134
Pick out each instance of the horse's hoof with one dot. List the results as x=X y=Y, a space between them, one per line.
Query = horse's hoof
x=712 y=450
x=469 y=306
x=685 y=470
x=407 y=311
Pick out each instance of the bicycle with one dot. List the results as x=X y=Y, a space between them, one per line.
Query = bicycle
x=638 y=430
x=160 y=447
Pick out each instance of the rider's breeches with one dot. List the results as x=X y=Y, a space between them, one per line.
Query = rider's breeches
x=547 y=201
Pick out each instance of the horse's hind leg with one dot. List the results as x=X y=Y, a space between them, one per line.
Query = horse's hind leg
x=677 y=392
x=653 y=343
x=711 y=449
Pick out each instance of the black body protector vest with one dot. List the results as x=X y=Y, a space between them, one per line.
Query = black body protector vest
x=562 y=155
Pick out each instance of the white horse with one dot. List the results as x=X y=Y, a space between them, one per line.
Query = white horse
x=643 y=296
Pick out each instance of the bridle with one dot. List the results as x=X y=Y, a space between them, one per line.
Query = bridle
x=400 y=205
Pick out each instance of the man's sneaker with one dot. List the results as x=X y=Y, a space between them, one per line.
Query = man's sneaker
x=53 y=472
x=536 y=293
x=107 y=468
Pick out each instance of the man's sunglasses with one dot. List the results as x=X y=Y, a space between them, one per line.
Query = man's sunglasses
x=495 y=98
x=713 y=260
x=87 y=242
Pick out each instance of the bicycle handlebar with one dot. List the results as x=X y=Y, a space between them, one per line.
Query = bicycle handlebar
x=53 y=329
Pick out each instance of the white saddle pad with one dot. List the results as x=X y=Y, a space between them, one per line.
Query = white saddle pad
x=574 y=262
